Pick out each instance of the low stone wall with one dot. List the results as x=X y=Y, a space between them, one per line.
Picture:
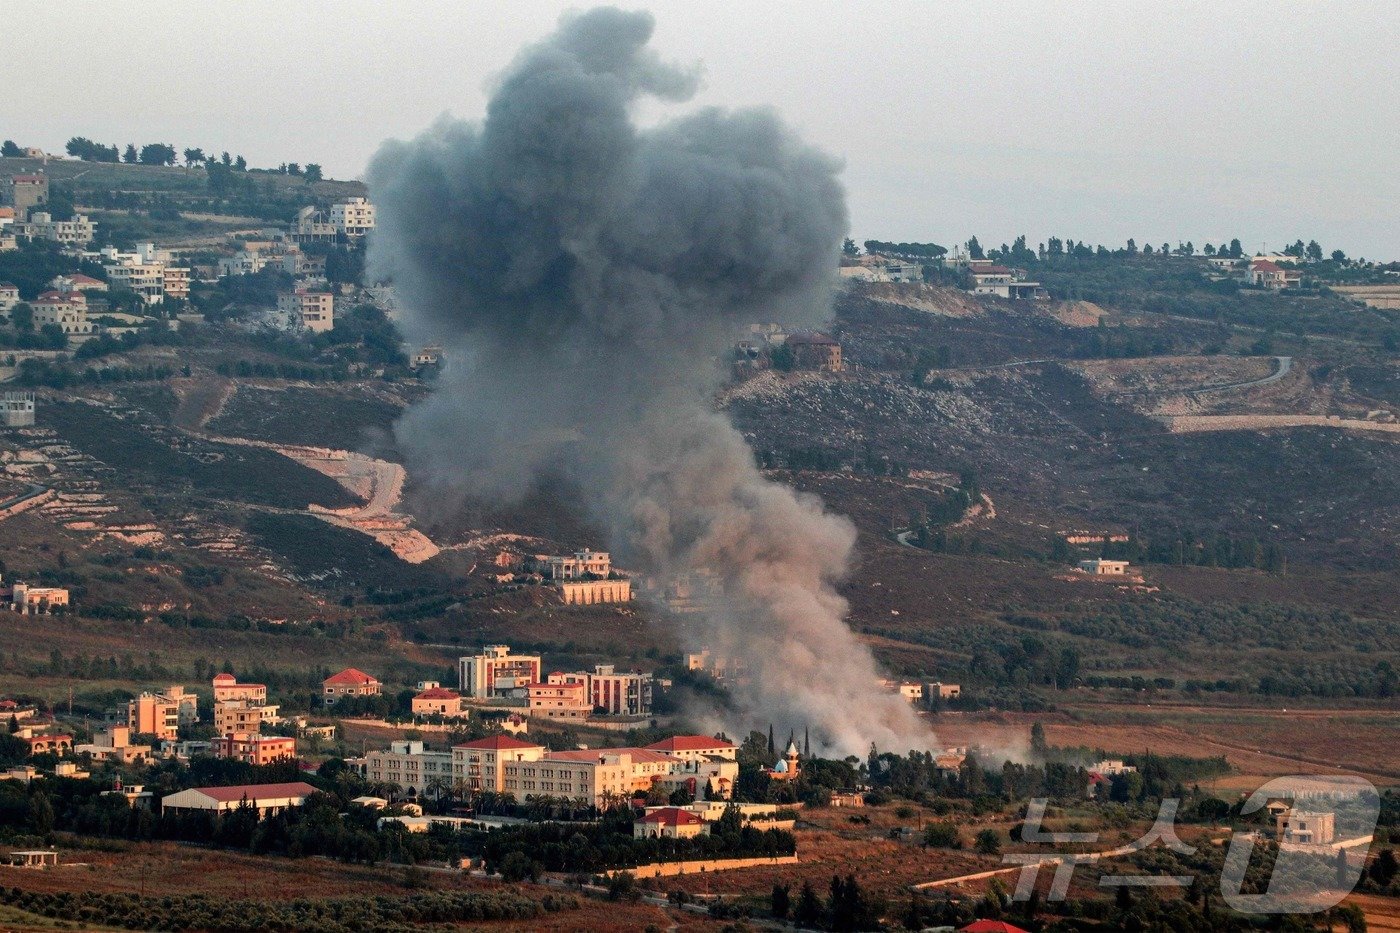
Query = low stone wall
x=669 y=869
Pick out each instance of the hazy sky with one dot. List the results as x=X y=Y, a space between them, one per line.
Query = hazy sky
x=1090 y=121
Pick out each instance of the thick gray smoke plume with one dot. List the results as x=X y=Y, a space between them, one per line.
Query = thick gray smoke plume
x=586 y=278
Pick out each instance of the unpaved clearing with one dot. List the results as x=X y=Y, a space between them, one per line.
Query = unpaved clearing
x=1188 y=424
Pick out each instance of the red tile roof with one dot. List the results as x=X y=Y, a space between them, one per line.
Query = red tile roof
x=1264 y=265
x=990 y=926
x=639 y=755
x=689 y=743
x=350 y=677
x=225 y=679
x=497 y=742
x=671 y=816
x=991 y=270
x=257 y=791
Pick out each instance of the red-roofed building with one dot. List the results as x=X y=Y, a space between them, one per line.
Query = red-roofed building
x=669 y=823
x=480 y=764
x=438 y=701
x=265 y=798
x=348 y=683
x=1269 y=274
x=77 y=282
x=991 y=926
x=696 y=747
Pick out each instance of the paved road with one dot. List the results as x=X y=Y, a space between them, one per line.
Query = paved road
x=1285 y=363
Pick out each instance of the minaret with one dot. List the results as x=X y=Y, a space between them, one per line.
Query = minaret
x=792 y=756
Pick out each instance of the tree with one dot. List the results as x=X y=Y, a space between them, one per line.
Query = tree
x=809 y=907
x=1039 y=747
x=9 y=150
x=1338 y=256
x=974 y=249
x=130 y=156
x=1314 y=251
x=313 y=173
x=157 y=154
x=988 y=842
x=781 y=899
x=1210 y=250
x=83 y=148
x=293 y=168
x=1132 y=247
x=1384 y=868
x=22 y=317
x=240 y=164
x=194 y=157
x=1236 y=250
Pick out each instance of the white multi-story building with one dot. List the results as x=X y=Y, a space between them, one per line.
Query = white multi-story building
x=9 y=296
x=145 y=279
x=243 y=262
x=41 y=226
x=483 y=675
x=17 y=409
x=308 y=309
x=410 y=765
x=312 y=226
x=353 y=217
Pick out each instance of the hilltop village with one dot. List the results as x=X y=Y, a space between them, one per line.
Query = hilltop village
x=1102 y=555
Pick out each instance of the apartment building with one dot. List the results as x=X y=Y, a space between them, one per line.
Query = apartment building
x=353 y=217
x=227 y=687
x=162 y=714
x=480 y=764
x=254 y=749
x=242 y=716
x=410 y=765
x=609 y=692
x=9 y=296
x=308 y=309
x=482 y=676
x=145 y=279
x=559 y=701
x=41 y=226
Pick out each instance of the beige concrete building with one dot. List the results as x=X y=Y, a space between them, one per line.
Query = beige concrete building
x=114 y=744
x=254 y=749
x=242 y=716
x=24 y=193
x=1305 y=827
x=439 y=701
x=227 y=687
x=594 y=592
x=410 y=765
x=66 y=309
x=558 y=701
x=479 y=765
x=353 y=217
x=1104 y=568
x=308 y=309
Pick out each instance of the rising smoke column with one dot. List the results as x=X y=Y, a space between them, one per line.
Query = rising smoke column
x=586 y=277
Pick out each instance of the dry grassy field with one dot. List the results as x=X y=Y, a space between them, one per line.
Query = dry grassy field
x=1258 y=743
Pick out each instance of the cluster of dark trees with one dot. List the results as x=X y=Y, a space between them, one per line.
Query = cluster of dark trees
x=1181 y=547
x=80 y=147
x=57 y=374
